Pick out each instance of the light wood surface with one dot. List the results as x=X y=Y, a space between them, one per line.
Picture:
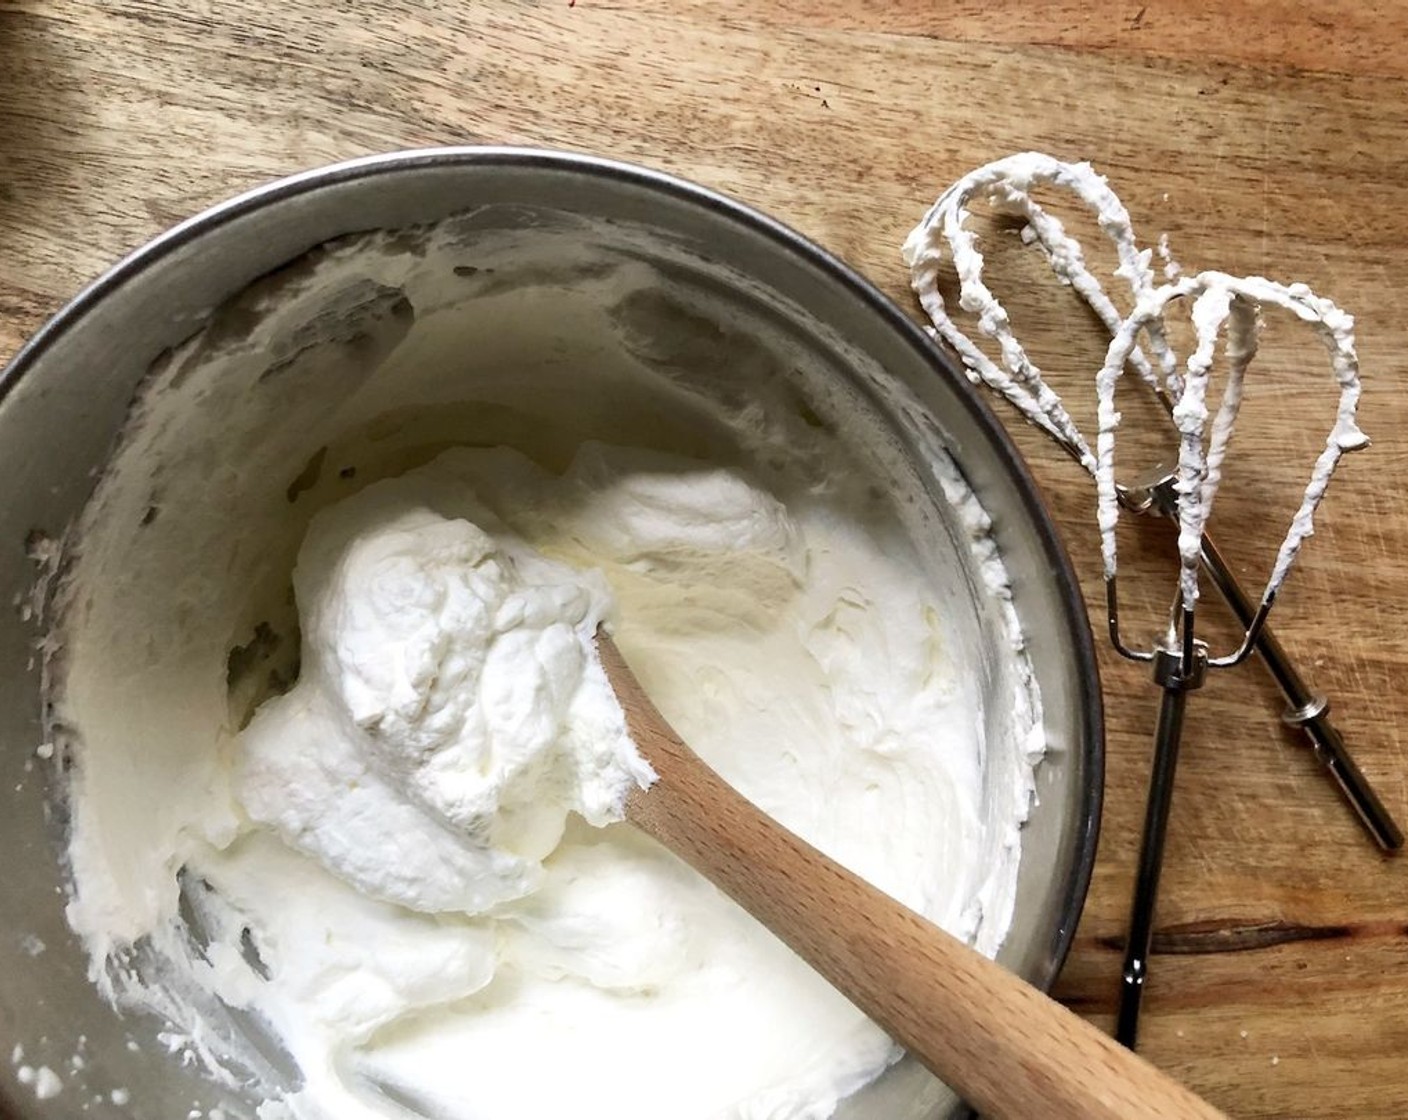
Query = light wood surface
x=1007 y=1048
x=1270 y=138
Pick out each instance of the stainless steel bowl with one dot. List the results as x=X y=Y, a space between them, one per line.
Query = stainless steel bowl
x=64 y=399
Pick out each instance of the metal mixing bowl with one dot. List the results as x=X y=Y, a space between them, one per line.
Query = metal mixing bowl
x=65 y=397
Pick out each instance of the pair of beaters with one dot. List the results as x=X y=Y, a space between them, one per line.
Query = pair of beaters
x=1184 y=491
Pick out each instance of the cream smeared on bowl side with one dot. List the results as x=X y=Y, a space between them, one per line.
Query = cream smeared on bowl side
x=346 y=770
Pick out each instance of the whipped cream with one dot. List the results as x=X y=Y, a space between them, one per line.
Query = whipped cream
x=559 y=933
x=450 y=710
x=346 y=775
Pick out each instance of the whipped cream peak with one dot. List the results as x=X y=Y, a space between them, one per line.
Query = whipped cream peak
x=451 y=707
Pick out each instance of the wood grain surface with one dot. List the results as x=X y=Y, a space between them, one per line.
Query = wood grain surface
x=1266 y=138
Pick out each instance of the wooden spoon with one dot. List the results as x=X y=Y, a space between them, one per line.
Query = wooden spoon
x=1008 y=1049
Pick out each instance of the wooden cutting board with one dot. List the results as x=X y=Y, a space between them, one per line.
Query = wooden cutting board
x=1270 y=141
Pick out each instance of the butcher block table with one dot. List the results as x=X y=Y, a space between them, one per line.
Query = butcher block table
x=1270 y=138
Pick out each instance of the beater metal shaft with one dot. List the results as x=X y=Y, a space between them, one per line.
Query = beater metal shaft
x=1305 y=708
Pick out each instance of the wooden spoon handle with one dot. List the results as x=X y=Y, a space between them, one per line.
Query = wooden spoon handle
x=1010 y=1050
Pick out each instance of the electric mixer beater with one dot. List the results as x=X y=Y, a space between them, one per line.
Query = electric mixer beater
x=1185 y=493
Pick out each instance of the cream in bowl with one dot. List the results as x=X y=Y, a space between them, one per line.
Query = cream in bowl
x=340 y=778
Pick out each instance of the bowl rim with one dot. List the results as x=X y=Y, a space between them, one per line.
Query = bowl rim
x=786 y=239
